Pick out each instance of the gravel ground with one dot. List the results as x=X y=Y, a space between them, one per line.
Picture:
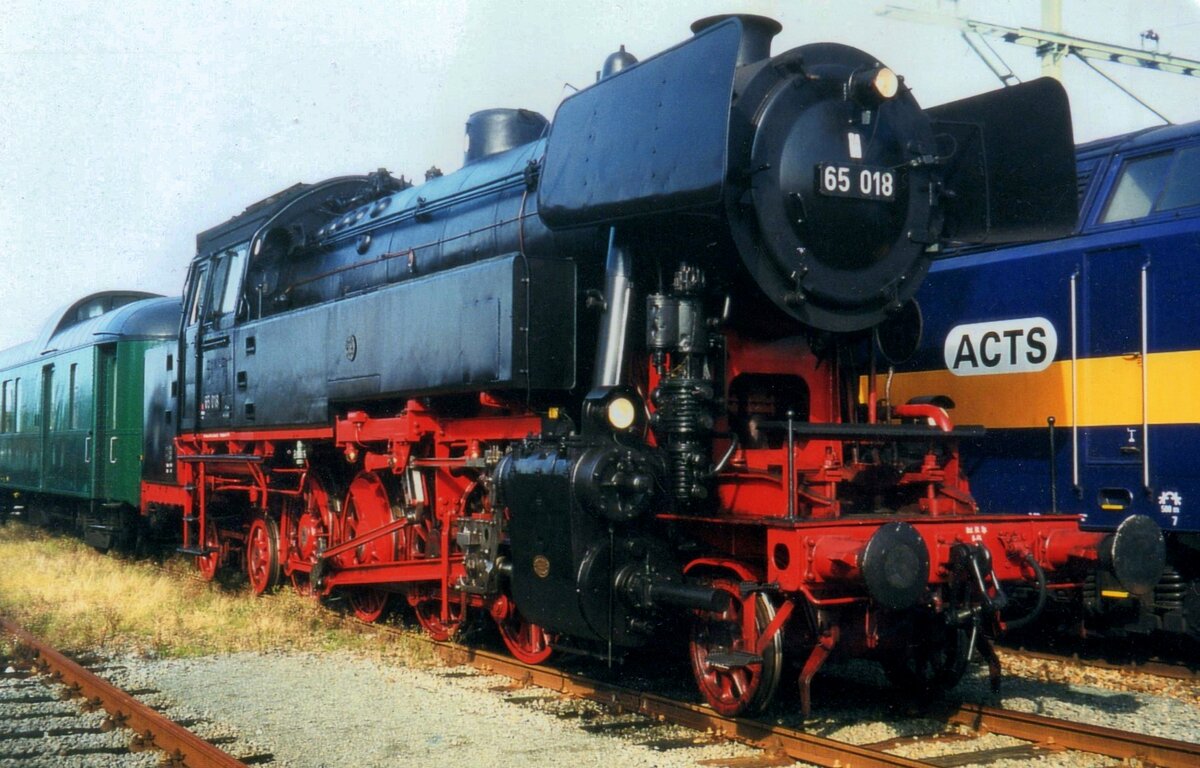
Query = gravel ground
x=313 y=711
x=338 y=709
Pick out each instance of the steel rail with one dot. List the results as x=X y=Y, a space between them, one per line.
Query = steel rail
x=1098 y=740
x=772 y=738
x=150 y=729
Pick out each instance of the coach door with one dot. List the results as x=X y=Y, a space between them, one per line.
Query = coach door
x=207 y=369
x=104 y=438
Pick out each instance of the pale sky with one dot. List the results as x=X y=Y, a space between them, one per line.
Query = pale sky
x=126 y=128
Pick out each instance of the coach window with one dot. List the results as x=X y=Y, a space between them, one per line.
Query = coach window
x=1183 y=185
x=73 y=398
x=114 y=392
x=1138 y=188
x=8 y=407
x=93 y=308
x=54 y=419
x=16 y=422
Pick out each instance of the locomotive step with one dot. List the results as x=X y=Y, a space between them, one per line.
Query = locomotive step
x=727 y=660
x=198 y=552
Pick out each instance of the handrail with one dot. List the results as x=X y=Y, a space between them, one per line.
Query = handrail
x=1074 y=382
x=1145 y=378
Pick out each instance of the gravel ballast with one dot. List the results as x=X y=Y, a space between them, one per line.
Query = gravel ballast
x=323 y=710
x=338 y=709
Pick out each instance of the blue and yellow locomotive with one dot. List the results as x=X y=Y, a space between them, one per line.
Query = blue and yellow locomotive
x=1080 y=356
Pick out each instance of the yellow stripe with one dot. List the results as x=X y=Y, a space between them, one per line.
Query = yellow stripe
x=1113 y=593
x=1110 y=392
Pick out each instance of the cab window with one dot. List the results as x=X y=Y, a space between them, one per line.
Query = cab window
x=1138 y=187
x=1165 y=181
x=223 y=288
x=1183 y=185
x=233 y=280
x=199 y=283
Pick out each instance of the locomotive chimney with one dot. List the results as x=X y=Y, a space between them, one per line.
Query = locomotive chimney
x=757 y=32
x=492 y=131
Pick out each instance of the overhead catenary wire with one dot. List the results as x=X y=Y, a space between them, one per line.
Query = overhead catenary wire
x=1127 y=92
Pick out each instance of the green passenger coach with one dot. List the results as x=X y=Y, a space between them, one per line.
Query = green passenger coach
x=71 y=413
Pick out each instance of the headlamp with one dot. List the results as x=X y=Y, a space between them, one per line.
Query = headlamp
x=872 y=86
x=621 y=413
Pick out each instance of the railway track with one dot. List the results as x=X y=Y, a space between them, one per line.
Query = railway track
x=965 y=723
x=1037 y=735
x=57 y=710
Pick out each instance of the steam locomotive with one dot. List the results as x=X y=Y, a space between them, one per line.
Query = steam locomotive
x=601 y=380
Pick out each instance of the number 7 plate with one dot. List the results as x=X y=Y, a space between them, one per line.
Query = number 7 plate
x=860 y=182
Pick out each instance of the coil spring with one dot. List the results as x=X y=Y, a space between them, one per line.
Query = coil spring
x=681 y=405
x=1091 y=592
x=682 y=420
x=1169 y=592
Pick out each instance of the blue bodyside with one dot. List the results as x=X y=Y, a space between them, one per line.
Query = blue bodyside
x=1010 y=469
x=1010 y=472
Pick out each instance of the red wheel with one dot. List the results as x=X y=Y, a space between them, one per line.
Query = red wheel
x=368 y=508
x=301 y=583
x=209 y=564
x=309 y=533
x=422 y=541
x=369 y=604
x=312 y=530
x=262 y=555
x=731 y=677
x=525 y=640
x=427 y=605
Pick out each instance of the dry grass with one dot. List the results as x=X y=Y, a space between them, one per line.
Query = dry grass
x=76 y=598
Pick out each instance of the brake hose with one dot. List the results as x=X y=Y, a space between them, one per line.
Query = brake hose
x=1028 y=618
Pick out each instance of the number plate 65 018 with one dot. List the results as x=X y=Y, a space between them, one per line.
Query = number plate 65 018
x=861 y=182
